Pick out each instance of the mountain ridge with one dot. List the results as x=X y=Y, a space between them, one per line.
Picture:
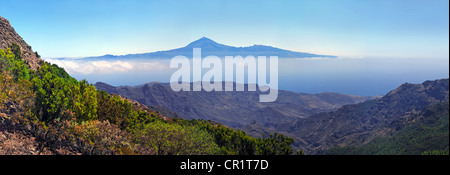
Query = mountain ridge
x=349 y=125
x=235 y=109
x=358 y=124
x=210 y=47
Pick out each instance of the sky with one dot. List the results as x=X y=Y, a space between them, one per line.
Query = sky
x=349 y=28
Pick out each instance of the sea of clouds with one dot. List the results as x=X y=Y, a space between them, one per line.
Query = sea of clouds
x=81 y=66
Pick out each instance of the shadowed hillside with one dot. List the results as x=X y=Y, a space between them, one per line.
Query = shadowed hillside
x=235 y=109
x=359 y=124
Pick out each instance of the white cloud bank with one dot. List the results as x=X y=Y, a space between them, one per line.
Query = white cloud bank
x=73 y=66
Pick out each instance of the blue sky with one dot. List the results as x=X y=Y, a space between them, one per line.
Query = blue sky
x=367 y=28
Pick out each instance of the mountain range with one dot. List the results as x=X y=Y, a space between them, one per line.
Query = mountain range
x=359 y=124
x=235 y=109
x=317 y=122
x=210 y=47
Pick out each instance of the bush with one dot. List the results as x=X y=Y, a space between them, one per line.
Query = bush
x=174 y=139
x=57 y=92
x=106 y=138
x=13 y=63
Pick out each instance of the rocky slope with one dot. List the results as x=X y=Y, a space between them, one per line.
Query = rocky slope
x=358 y=124
x=9 y=36
x=426 y=133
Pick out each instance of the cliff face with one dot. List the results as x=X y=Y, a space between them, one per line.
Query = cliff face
x=8 y=36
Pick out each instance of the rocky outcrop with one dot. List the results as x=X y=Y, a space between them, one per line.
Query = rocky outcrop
x=9 y=36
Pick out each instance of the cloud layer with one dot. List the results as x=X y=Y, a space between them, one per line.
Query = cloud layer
x=74 y=66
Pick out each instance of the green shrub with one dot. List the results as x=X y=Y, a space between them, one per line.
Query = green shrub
x=173 y=139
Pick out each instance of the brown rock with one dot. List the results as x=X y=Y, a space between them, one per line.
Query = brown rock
x=8 y=36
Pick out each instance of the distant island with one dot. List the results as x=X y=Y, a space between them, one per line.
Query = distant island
x=210 y=47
